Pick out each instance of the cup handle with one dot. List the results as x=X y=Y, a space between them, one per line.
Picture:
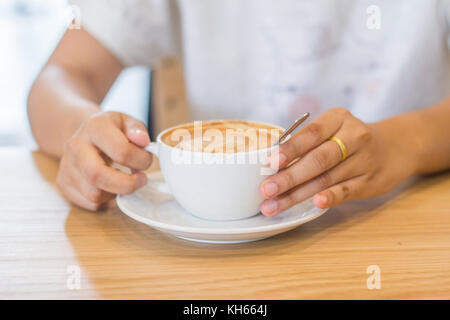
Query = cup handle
x=162 y=187
x=153 y=147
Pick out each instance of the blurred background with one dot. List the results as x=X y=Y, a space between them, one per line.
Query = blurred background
x=29 y=31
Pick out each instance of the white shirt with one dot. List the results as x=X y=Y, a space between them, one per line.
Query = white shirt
x=272 y=60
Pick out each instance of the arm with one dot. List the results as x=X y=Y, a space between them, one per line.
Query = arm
x=380 y=155
x=66 y=120
x=69 y=89
x=428 y=132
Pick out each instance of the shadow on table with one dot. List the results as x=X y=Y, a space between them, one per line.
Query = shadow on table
x=109 y=244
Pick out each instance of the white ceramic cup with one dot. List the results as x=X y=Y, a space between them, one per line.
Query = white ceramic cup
x=215 y=186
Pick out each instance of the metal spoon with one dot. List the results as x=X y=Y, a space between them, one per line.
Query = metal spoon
x=297 y=122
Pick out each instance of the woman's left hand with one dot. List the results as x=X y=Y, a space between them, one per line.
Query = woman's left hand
x=376 y=161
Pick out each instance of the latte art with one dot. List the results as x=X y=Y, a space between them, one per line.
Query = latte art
x=226 y=136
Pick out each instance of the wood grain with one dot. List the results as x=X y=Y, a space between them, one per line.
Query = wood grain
x=406 y=233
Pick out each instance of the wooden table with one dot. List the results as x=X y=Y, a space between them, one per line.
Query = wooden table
x=45 y=243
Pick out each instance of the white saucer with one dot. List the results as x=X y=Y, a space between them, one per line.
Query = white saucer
x=160 y=211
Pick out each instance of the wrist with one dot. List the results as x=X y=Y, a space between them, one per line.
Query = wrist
x=401 y=142
x=78 y=115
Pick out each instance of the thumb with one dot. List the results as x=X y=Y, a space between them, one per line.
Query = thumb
x=135 y=131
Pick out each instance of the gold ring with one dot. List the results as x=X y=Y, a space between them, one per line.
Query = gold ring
x=341 y=146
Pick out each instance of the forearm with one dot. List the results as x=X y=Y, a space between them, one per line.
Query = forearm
x=422 y=137
x=57 y=105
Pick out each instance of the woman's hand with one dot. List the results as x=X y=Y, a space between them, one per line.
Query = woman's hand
x=376 y=161
x=84 y=176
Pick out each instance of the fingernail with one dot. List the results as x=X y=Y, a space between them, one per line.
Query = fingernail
x=277 y=160
x=269 y=207
x=135 y=130
x=320 y=200
x=138 y=137
x=270 y=189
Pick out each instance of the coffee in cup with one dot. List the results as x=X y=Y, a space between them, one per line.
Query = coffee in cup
x=224 y=136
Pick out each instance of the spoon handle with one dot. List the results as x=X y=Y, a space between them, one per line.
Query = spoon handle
x=297 y=122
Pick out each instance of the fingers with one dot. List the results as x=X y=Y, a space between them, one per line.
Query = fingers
x=81 y=194
x=91 y=183
x=91 y=193
x=135 y=131
x=314 y=163
x=96 y=173
x=77 y=198
x=341 y=172
x=318 y=166
x=107 y=135
x=84 y=176
x=309 y=137
x=340 y=193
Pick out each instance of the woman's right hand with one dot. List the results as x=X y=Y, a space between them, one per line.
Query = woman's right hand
x=84 y=176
